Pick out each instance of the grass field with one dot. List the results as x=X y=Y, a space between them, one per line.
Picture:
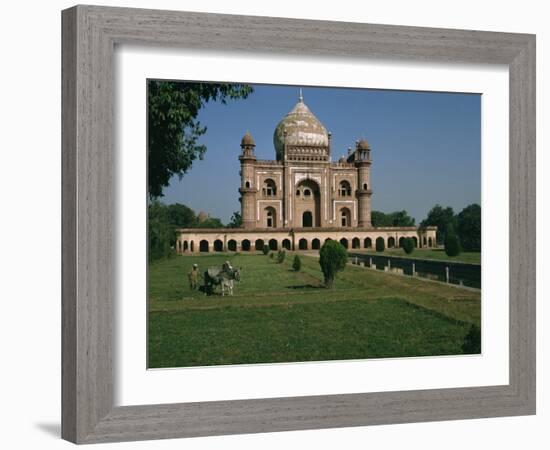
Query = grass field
x=278 y=315
x=429 y=253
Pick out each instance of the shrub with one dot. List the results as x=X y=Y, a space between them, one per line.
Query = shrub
x=272 y=255
x=265 y=249
x=408 y=245
x=297 y=263
x=332 y=259
x=380 y=246
x=281 y=254
x=452 y=243
x=472 y=341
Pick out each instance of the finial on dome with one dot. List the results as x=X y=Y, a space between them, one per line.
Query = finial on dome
x=301 y=97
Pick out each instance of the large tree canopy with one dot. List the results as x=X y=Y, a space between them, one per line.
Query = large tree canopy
x=181 y=216
x=161 y=233
x=466 y=225
x=163 y=220
x=441 y=218
x=173 y=128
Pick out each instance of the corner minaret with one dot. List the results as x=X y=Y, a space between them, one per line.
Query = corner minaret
x=362 y=161
x=248 y=189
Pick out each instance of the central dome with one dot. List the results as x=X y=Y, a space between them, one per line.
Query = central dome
x=302 y=129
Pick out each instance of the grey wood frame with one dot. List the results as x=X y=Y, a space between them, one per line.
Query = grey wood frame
x=89 y=36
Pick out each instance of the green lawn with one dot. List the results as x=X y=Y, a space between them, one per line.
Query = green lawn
x=428 y=253
x=278 y=315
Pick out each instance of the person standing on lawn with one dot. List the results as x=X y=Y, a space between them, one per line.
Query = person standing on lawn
x=193 y=276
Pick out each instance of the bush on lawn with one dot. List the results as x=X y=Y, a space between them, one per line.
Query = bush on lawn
x=332 y=259
x=408 y=245
x=281 y=254
x=452 y=243
x=265 y=249
x=297 y=263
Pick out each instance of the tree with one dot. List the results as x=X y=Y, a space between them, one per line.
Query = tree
x=265 y=249
x=401 y=219
x=161 y=235
x=380 y=245
x=452 y=243
x=380 y=219
x=469 y=227
x=297 y=263
x=210 y=222
x=236 y=220
x=181 y=216
x=408 y=245
x=281 y=255
x=393 y=219
x=440 y=217
x=332 y=259
x=173 y=128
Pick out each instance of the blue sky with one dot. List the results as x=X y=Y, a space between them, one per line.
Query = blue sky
x=426 y=146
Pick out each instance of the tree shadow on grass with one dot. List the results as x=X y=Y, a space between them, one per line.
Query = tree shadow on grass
x=304 y=286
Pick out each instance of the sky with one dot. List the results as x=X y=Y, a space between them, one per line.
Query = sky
x=425 y=146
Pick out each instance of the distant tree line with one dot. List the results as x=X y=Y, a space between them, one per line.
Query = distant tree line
x=164 y=219
x=465 y=226
x=462 y=230
x=394 y=219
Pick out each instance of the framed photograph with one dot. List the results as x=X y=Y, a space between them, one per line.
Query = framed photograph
x=268 y=230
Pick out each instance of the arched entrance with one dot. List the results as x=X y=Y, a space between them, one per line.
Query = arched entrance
x=273 y=244
x=232 y=245
x=259 y=244
x=307 y=219
x=218 y=245
x=316 y=244
x=368 y=243
x=355 y=243
x=203 y=246
x=245 y=245
x=307 y=206
x=391 y=242
x=302 y=244
x=344 y=242
x=286 y=244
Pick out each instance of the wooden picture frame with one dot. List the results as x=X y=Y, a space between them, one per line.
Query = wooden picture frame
x=89 y=37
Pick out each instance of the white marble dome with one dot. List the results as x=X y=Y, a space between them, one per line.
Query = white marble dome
x=302 y=129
